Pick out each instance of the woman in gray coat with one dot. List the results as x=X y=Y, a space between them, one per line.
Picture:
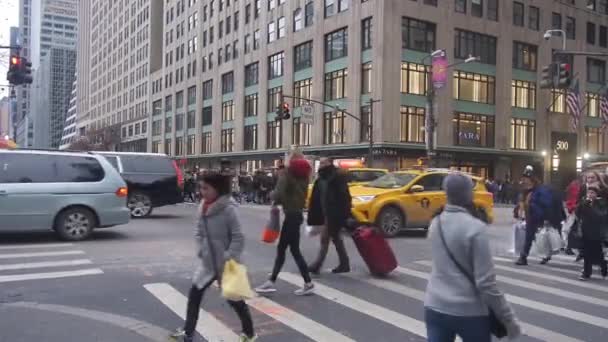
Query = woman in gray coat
x=457 y=303
x=219 y=239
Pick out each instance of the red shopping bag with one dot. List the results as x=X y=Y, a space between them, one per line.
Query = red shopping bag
x=272 y=230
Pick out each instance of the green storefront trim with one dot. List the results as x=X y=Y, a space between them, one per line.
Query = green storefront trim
x=228 y=97
x=336 y=64
x=522 y=113
x=208 y=103
x=251 y=120
x=524 y=75
x=251 y=90
x=228 y=124
x=593 y=87
x=474 y=107
x=592 y=122
x=207 y=128
x=366 y=56
x=275 y=82
x=413 y=100
x=303 y=74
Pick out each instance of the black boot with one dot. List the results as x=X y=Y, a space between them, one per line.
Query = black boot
x=569 y=251
x=545 y=260
x=522 y=261
x=341 y=269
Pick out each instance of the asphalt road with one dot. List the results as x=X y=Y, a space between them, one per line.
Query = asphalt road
x=129 y=284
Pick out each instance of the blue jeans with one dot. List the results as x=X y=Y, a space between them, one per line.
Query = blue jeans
x=444 y=328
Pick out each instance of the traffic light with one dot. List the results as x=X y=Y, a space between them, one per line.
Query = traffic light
x=548 y=75
x=19 y=71
x=562 y=76
x=283 y=112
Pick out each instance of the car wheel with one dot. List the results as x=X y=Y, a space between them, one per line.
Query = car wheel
x=75 y=224
x=391 y=221
x=140 y=205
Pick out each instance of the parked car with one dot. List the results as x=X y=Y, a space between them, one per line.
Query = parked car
x=71 y=193
x=154 y=180
x=408 y=199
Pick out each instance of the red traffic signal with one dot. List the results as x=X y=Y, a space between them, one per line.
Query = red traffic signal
x=283 y=112
x=15 y=61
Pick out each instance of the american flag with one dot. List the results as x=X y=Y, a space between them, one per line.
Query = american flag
x=573 y=101
x=604 y=108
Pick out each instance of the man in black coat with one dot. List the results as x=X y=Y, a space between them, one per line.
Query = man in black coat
x=330 y=205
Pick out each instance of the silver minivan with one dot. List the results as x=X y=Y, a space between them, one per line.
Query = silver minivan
x=71 y=193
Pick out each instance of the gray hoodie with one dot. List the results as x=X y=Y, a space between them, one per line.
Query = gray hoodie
x=448 y=290
x=225 y=235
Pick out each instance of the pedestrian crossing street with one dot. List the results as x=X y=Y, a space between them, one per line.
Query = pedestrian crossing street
x=550 y=302
x=29 y=262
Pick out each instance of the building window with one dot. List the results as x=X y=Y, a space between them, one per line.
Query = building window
x=251 y=105
x=250 y=138
x=533 y=18
x=335 y=6
x=282 y=28
x=190 y=144
x=523 y=94
x=469 y=43
x=251 y=74
x=157 y=127
x=460 y=6
x=492 y=9
x=227 y=140
x=518 y=13
x=207 y=116
x=603 y=35
x=558 y=100
x=594 y=140
x=258 y=8
x=192 y=95
x=333 y=128
x=168 y=103
x=272 y=36
x=365 y=124
x=207 y=90
x=274 y=98
x=275 y=65
x=474 y=87
x=179 y=146
x=366 y=34
x=417 y=35
x=473 y=130
x=412 y=124
x=591 y=5
x=523 y=134
x=302 y=89
x=274 y=134
x=228 y=111
x=228 y=82
x=309 y=13
x=431 y=2
x=206 y=143
x=179 y=122
x=590 y=33
x=524 y=56
x=168 y=125
x=179 y=100
x=593 y=105
x=191 y=119
x=256 y=39
x=570 y=28
x=336 y=44
x=156 y=147
x=414 y=78
x=303 y=56
x=302 y=133
x=298 y=20
x=477 y=8
x=596 y=71
x=168 y=150
x=336 y=85
x=556 y=21
x=366 y=78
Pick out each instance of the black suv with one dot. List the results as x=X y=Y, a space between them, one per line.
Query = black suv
x=154 y=180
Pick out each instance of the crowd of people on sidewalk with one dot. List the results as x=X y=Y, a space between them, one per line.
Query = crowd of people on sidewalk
x=462 y=296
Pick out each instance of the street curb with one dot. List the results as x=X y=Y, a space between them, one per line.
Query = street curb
x=147 y=330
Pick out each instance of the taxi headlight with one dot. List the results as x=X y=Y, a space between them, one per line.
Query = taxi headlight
x=364 y=198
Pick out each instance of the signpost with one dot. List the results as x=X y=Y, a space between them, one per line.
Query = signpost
x=308 y=114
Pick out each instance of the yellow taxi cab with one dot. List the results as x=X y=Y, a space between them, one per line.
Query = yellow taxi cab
x=408 y=199
x=356 y=176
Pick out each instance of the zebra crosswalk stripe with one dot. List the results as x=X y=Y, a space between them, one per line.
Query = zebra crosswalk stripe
x=43 y=264
x=393 y=318
x=49 y=275
x=535 y=305
x=208 y=326
x=38 y=245
x=529 y=329
x=38 y=254
x=546 y=289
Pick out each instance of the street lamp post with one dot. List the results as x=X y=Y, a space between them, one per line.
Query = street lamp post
x=549 y=33
x=430 y=122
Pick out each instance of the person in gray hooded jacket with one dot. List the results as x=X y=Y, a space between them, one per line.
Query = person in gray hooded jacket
x=219 y=238
x=453 y=304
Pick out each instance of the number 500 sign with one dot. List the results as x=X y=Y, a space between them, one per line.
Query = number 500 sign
x=561 y=145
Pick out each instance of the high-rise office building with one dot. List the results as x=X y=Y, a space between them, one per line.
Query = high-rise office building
x=226 y=63
x=122 y=55
x=23 y=125
x=70 y=133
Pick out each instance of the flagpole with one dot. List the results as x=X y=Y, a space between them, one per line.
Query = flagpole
x=548 y=108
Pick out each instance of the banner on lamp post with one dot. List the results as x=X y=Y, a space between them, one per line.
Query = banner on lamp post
x=439 y=66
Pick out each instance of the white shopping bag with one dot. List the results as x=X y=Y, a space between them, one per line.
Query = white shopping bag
x=542 y=243
x=314 y=230
x=568 y=226
x=555 y=240
x=519 y=237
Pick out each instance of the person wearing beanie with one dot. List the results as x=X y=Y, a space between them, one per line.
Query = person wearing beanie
x=290 y=192
x=458 y=304
x=540 y=204
x=593 y=213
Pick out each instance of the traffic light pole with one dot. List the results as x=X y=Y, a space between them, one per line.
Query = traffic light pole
x=358 y=119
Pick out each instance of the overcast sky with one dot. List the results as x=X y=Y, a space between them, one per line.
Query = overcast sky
x=9 y=16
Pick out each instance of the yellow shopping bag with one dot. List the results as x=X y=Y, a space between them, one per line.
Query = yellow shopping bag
x=235 y=283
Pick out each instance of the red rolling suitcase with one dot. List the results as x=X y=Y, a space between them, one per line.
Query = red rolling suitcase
x=374 y=250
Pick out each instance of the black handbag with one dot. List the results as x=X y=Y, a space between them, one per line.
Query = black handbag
x=497 y=328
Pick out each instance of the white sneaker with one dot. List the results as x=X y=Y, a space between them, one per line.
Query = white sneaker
x=244 y=338
x=307 y=290
x=267 y=287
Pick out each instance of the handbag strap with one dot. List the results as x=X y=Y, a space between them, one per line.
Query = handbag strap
x=451 y=256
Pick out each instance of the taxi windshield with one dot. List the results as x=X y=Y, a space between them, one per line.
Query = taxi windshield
x=392 y=181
